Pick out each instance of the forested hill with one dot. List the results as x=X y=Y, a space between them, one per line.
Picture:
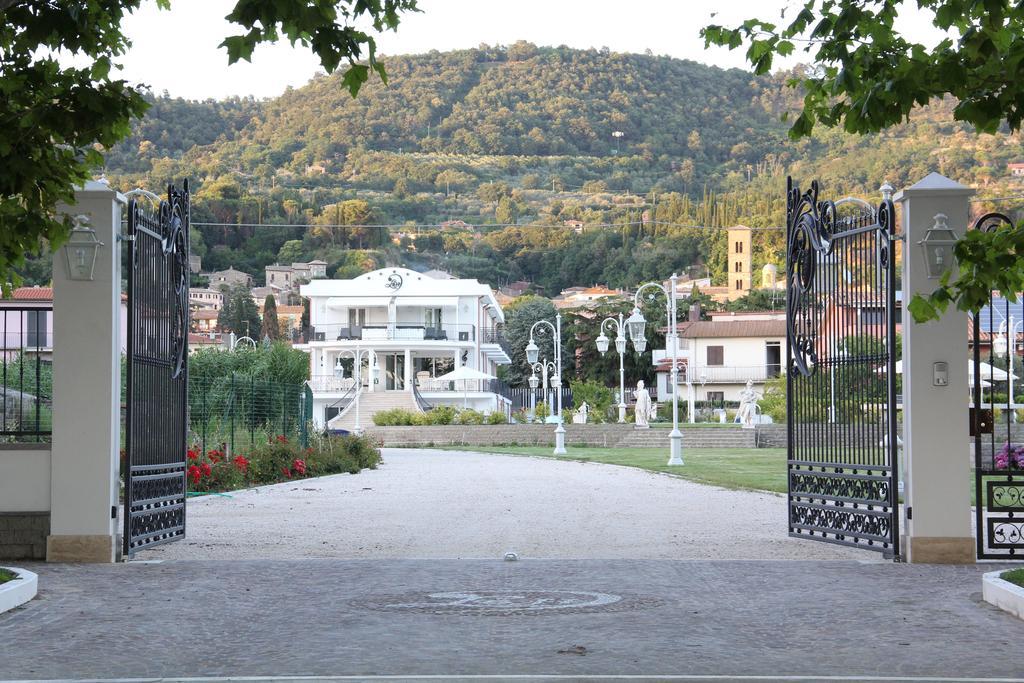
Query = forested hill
x=516 y=141
x=520 y=100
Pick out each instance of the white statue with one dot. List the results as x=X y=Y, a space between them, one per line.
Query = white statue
x=748 y=406
x=580 y=416
x=643 y=406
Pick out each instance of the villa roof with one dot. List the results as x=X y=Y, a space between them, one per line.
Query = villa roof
x=33 y=294
x=403 y=283
x=704 y=329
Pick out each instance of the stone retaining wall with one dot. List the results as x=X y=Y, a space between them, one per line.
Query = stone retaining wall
x=23 y=535
x=605 y=435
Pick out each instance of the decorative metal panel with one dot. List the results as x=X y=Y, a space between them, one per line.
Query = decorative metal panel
x=841 y=377
x=998 y=444
x=157 y=372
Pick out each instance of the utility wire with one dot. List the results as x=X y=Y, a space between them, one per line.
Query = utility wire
x=420 y=226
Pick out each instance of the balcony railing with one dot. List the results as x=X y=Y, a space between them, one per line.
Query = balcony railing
x=496 y=335
x=387 y=332
x=729 y=374
x=332 y=384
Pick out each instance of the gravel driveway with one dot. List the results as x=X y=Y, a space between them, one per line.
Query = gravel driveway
x=444 y=504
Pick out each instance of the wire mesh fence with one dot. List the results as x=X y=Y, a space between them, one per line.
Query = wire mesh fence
x=241 y=411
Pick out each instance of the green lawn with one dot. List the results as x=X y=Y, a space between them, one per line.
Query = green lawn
x=1015 y=576
x=762 y=469
x=755 y=469
x=6 y=576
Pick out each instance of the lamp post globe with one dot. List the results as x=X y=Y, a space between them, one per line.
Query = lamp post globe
x=620 y=344
x=602 y=344
x=636 y=324
x=532 y=351
x=534 y=382
x=999 y=345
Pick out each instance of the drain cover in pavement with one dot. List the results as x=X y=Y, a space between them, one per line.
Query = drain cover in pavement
x=506 y=603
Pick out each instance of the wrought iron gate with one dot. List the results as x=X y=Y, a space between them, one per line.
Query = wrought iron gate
x=157 y=372
x=841 y=374
x=997 y=420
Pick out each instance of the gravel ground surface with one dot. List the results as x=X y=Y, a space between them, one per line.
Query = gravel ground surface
x=429 y=504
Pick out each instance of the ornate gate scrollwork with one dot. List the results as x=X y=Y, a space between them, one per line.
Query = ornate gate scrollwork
x=841 y=375
x=998 y=442
x=157 y=372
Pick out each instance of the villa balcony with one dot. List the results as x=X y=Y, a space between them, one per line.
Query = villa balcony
x=729 y=374
x=401 y=332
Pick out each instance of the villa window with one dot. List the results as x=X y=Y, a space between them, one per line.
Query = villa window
x=35 y=324
x=716 y=397
x=716 y=355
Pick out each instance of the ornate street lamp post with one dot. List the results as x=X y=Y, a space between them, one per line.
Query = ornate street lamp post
x=620 y=348
x=532 y=353
x=635 y=325
x=543 y=366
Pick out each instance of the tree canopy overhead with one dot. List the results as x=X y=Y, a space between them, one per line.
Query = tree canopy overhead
x=55 y=119
x=868 y=77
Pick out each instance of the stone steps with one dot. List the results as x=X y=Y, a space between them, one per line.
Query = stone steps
x=370 y=403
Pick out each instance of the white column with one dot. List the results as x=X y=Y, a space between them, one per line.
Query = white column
x=408 y=370
x=936 y=436
x=87 y=392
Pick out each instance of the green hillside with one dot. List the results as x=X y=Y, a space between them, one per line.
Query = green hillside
x=523 y=137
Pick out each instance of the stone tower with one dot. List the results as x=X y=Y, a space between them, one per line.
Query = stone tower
x=740 y=268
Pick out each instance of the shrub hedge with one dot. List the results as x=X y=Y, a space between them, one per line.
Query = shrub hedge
x=441 y=415
x=280 y=459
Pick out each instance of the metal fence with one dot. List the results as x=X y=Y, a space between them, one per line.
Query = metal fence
x=26 y=376
x=241 y=411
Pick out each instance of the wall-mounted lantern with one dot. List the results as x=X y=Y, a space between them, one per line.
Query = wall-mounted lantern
x=81 y=250
x=938 y=246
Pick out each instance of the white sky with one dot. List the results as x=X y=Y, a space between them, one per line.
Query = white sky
x=177 y=50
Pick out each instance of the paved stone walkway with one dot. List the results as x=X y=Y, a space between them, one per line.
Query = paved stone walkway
x=447 y=504
x=449 y=617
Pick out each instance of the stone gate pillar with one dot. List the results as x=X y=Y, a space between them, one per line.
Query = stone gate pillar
x=87 y=391
x=935 y=416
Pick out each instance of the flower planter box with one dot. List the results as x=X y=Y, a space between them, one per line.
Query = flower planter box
x=18 y=591
x=1006 y=596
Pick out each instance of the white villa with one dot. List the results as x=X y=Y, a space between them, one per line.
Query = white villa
x=408 y=329
x=718 y=356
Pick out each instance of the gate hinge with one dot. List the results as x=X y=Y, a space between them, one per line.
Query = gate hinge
x=113 y=512
x=910 y=512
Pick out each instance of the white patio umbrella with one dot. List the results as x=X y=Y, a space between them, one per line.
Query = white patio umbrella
x=464 y=374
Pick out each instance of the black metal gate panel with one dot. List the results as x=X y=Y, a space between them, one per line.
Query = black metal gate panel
x=157 y=372
x=997 y=421
x=841 y=371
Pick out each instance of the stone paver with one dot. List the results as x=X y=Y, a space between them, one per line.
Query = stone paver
x=448 y=504
x=364 y=617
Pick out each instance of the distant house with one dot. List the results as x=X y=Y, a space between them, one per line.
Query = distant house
x=1016 y=168
x=205 y=298
x=291 y=276
x=225 y=279
x=719 y=356
x=260 y=294
x=580 y=297
x=205 y=321
x=26 y=323
x=577 y=226
x=455 y=225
